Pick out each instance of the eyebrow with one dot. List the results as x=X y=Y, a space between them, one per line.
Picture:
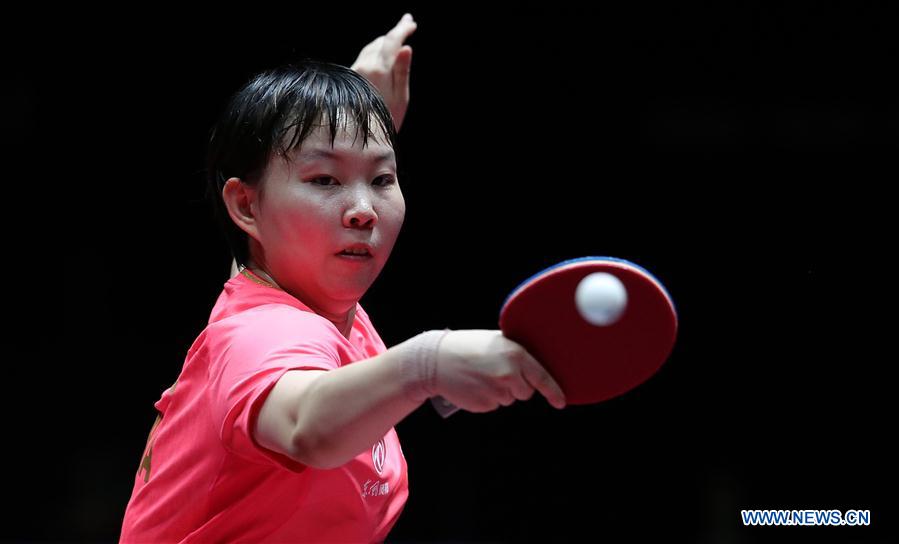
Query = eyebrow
x=314 y=154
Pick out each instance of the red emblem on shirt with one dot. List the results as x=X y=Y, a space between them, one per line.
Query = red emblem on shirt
x=379 y=455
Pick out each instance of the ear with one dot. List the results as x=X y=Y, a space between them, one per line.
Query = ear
x=240 y=199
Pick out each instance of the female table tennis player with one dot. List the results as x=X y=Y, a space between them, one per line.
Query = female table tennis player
x=280 y=427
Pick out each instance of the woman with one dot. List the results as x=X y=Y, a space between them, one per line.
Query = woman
x=280 y=427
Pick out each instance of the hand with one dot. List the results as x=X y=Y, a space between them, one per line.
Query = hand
x=385 y=62
x=481 y=370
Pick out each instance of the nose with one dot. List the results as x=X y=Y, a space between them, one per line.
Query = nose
x=360 y=213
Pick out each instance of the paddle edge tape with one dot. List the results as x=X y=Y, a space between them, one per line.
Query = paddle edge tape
x=580 y=260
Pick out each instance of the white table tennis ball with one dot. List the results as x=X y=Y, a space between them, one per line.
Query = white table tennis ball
x=600 y=299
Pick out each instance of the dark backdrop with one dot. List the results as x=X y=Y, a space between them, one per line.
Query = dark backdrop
x=742 y=154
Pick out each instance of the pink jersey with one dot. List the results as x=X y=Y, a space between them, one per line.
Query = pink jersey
x=204 y=479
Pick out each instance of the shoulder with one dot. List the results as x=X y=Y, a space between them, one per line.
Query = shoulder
x=275 y=318
x=271 y=330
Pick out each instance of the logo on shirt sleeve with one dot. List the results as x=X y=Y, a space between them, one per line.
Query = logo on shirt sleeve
x=379 y=455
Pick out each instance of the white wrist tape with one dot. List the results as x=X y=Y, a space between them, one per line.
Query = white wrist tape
x=418 y=364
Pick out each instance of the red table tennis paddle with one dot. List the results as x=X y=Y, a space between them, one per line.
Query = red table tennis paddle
x=599 y=325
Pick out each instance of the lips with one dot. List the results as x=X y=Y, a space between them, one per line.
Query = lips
x=356 y=250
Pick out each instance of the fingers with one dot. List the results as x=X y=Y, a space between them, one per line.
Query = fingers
x=394 y=39
x=542 y=381
x=383 y=51
x=521 y=390
x=400 y=77
x=402 y=65
x=507 y=399
x=386 y=62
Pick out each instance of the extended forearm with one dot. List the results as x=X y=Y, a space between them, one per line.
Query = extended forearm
x=348 y=409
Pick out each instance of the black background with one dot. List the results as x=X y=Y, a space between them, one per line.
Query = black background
x=743 y=154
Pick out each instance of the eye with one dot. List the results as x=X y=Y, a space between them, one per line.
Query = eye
x=384 y=180
x=323 y=181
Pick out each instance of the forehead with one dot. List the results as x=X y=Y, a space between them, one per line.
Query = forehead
x=348 y=143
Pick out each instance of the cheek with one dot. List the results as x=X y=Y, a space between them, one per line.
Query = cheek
x=298 y=221
x=396 y=214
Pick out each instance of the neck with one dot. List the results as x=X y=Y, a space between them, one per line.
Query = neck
x=347 y=325
x=343 y=321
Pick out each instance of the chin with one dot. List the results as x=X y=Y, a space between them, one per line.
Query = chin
x=349 y=292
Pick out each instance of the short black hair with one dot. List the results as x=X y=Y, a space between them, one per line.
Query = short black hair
x=273 y=114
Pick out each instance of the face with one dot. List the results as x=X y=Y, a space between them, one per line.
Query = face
x=317 y=202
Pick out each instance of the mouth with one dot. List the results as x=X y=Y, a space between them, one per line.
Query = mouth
x=356 y=252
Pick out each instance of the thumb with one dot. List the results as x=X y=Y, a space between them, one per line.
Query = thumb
x=401 y=68
x=403 y=63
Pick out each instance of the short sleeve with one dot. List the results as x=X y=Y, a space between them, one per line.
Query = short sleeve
x=250 y=352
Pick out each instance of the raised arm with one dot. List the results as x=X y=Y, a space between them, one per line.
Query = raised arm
x=386 y=63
